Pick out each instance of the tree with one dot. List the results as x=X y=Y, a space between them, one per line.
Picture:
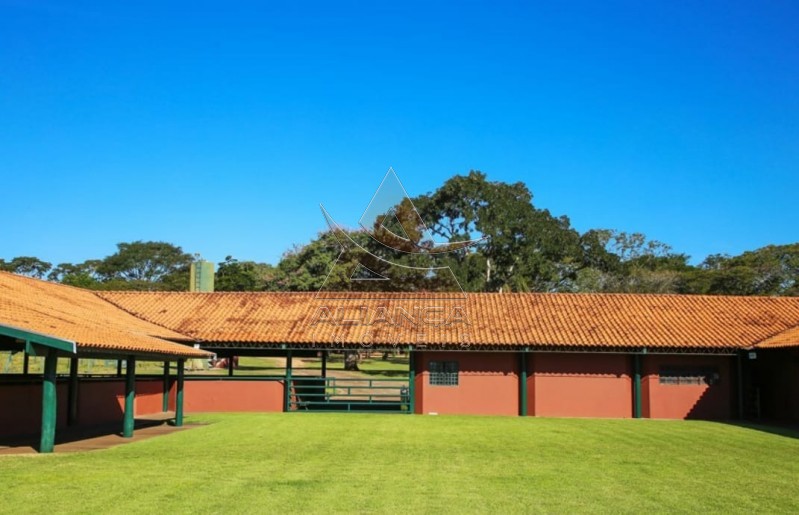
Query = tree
x=770 y=270
x=305 y=267
x=616 y=261
x=595 y=246
x=351 y=359
x=519 y=247
x=235 y=275
x=523 y=249
x=82 y=275
x=26 y=265
x=146 y=265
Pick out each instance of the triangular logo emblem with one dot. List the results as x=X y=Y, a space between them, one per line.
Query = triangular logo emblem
x=362 y=273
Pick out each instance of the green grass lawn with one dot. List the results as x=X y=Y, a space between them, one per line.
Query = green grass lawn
x=394 y=463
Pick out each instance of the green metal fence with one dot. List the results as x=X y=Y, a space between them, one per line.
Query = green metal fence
x=353 y=395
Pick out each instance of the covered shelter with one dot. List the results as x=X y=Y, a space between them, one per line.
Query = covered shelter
x=55 y=322
x=543 y=354
x=524 y=354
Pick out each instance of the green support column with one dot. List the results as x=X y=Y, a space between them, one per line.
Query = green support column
x=287 y=401
x=165 y=397
x=47 y=441
x=523 y=383
x=119 y=368
x=324 y=363
x=179 y=395
x=411 y=382
x=130 y=396
x=230 y=366
x=25 y=363
x=72 y=394
x=637 y=386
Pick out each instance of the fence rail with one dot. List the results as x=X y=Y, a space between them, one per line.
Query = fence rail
x=344 y=394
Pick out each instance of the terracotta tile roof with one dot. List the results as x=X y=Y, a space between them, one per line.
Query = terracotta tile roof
x=80 y=316
x=787 y=338
x=483 y=319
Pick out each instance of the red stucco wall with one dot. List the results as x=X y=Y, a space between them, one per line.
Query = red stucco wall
x=488 y=384
x=149 y=396
x=712 y=402
x=103 y=401
x=559 y=385
x=21 y=408
x=207 y=396
x=99 y=401
x=579 y=385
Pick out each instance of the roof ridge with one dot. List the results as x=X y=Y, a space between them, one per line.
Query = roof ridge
x=99 y=293
x=45 y=281
x=372 y=294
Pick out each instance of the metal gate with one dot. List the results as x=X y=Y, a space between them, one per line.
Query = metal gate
x=344 y=394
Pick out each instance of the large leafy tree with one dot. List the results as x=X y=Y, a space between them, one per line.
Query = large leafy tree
x=616 y=261
x=147 y=261
x=235 y=275
x=26 y=265
x=523 y=248
x=771 y=270
x=145 y=265
x=306 y=267
x=83 y=275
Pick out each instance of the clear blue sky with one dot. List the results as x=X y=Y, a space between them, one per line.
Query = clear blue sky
x=221 y=127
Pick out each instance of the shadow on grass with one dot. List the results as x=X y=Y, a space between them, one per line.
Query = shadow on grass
x=68 y=435
x=787 y=429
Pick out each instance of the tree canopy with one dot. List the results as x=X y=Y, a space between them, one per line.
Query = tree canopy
x=519 y=247
x=138 y=265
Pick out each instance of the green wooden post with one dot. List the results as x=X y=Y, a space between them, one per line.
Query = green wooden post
x=324 y=363
x=179 y=395
x=25 y=363
x=411 y=382
x=119 y=368
x=47 y=441
x=287 y=401
x=165 y=397
x=523 y=383
x=637 y=386
x=230 y=366
x=130 y=396
x=72 y=395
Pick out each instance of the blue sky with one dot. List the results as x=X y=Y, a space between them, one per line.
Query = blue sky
x=221 y=127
